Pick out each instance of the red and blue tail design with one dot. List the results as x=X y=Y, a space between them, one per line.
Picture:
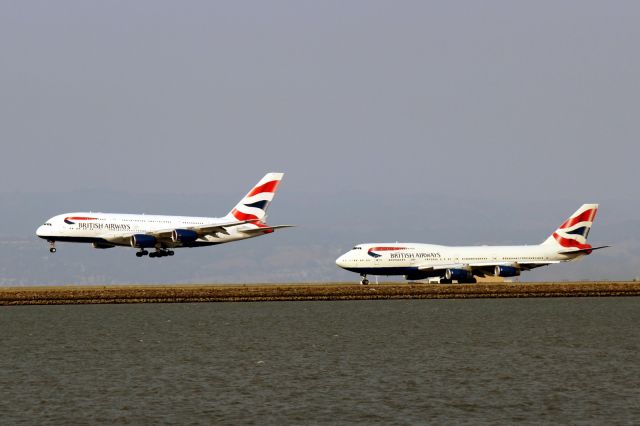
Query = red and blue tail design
x=573 y=233
x=254 y=205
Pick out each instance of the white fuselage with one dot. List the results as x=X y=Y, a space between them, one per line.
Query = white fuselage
x=115 y=229
x=431 y=260
x=464 y=263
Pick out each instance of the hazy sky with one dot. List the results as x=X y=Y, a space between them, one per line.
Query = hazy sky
x=533 y=101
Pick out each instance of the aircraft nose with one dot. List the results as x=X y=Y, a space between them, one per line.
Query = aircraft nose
x=40 y=231
x=342 y=261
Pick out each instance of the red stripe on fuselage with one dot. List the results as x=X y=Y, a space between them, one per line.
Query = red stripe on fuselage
x=265 y=187
x=386 y=248
x=585 y=216
x=80 y=218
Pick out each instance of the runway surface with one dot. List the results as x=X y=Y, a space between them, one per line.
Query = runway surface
x=62 y=295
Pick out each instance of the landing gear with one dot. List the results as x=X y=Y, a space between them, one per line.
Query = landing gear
x=364 y=280
x=445 y=281
x=52 y=246
x=142 y=253
x=157 y=253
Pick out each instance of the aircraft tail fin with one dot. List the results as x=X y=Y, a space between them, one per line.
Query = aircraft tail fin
x=254 y=205
x=573 y=233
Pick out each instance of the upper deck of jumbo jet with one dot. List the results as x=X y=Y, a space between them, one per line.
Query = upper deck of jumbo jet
x=74 y=217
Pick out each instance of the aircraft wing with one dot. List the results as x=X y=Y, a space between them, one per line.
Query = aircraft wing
x=487 y=268
x=442 y=267
x=165 y=234
x=118 y=237
x=201 y=230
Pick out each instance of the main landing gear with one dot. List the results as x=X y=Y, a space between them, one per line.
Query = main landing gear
x=142 y=253
x=157 y=253
x=364 y=280
x=52 y=246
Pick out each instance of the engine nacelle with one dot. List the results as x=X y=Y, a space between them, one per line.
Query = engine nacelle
x=457 y=274
x=506 y=271
x=103 y=245
x=142 y=241
x=183 y=236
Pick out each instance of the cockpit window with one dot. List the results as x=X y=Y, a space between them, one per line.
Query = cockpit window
x=357 y=248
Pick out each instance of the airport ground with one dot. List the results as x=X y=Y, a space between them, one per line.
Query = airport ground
x=60 y=295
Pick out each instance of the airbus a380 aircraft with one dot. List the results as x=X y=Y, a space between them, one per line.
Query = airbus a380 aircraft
x=463 y=264
x=164 y=233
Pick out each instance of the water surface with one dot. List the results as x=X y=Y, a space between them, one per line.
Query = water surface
x=571 y=360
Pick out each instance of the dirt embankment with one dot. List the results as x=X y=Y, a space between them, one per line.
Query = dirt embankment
x=281 y=292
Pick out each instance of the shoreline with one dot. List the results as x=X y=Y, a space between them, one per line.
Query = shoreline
x=199 y=293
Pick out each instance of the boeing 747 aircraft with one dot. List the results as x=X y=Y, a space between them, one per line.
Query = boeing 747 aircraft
x=164 y=233
x=463 y=264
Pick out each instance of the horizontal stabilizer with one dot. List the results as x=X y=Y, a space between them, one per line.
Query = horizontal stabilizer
x=265 y=230
x=578 y=251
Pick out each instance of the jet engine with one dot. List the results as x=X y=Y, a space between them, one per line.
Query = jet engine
x=142 y=241
x=506 y=271
x=183 y=236
x=457 y=274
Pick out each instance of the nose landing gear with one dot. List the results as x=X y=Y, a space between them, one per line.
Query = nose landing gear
x=52 y=246
x=364 y=280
